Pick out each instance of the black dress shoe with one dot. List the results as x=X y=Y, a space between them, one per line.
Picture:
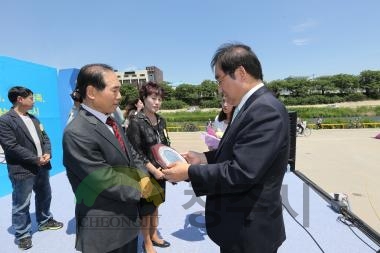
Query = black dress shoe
x=165 y=244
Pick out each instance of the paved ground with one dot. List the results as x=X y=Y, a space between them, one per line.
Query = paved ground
x=338 y=160
x=346 y=161
x=348 y=156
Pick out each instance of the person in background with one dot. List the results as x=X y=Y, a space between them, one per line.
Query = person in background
x=242 y=179
x=77 y=101
x=146 y=129
x=319 y=122
x=102 y=166
x=131 y=110
x=27 y=150
x=223 y=119
x=300 y=127
x=118 y=115
x=215 y=130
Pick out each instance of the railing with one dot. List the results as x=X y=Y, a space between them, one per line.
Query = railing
x=193 y=128
x=371 y=125
x=312 y=126
x=345 y=125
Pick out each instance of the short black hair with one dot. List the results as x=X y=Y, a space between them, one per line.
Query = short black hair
x=76 y=96
x=18 y=91
x=92 y=74
x=230 y=56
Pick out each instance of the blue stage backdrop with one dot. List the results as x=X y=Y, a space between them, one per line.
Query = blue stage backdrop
x=52 y=103
x=66 y=83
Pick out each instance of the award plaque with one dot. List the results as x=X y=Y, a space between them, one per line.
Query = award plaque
x=165 y=155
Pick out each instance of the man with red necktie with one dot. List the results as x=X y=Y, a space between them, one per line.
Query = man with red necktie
x=95 y=150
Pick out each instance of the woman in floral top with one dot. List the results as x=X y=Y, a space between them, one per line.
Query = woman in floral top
x=146 y=129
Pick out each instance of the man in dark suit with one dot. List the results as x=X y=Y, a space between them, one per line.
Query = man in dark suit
x=242 y=179
x=27 y=152
x=103 y=170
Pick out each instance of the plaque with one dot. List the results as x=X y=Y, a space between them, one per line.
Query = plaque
x=165 y=155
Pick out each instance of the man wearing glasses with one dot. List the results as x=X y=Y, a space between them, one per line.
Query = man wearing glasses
x=242 y=179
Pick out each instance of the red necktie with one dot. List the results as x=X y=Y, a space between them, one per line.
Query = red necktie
x=115 y=129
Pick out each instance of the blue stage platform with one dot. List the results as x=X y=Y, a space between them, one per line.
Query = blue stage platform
x=182 y=222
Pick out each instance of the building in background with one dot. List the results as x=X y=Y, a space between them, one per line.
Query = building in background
x=140 y=77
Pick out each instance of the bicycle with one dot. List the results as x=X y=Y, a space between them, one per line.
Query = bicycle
x=305 y=132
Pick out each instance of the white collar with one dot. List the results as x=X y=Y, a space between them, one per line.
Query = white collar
x=101 y=116
x=247 y=95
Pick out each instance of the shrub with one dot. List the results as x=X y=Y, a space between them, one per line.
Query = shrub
x=355 y=97
x=214 y=103
x=173 y=104
x=190 y=116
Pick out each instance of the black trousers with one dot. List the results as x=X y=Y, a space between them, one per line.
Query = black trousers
x=130 y=247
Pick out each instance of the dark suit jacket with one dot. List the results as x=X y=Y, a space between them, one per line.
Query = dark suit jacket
x=19 y=148
x=100 y=174
x=243 y=178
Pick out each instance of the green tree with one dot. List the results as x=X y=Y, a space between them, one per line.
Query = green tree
x=346 y=84
x=278 y=87
x=322 y=85
x=128 y=93
x=369 y=80
x=188 y=93
x=169 y=91
x=207 y=90
x=297 y=86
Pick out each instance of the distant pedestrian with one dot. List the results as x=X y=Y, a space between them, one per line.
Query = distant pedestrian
x=319 y=122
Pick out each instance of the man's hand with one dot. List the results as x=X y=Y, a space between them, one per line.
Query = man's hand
x=44 y=159
x=177 y=172
x=193 y=157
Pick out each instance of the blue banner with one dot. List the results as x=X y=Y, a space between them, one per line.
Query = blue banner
x=52 y=104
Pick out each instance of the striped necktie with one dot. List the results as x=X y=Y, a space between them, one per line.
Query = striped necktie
x=111 y=122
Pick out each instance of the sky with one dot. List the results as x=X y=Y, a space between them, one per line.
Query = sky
x=291 y=38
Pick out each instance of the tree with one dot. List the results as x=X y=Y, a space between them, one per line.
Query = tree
x=169 y=91
x=207 y=90
x=297 y=86
x=277 y=87
x=188 y=93
x=128 y=93
x=369 y=81
x=322 y=85
x=346 y=84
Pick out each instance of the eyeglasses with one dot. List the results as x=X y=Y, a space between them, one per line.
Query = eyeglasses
x=220 y=80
